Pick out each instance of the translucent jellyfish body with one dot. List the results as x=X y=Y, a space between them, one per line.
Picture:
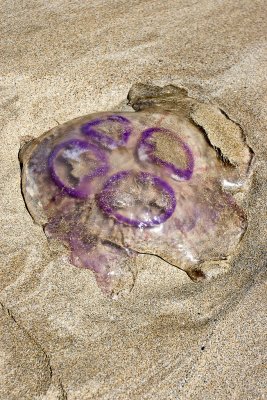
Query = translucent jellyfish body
x=113 y=185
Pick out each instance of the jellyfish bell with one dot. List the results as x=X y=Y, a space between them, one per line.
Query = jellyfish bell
x=113 y=185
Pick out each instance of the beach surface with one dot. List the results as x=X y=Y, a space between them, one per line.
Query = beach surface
x=170 y=338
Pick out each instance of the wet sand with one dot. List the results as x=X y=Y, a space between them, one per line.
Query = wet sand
x=170 y=338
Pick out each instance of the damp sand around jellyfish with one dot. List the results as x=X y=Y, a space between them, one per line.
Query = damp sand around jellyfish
x=113 y=185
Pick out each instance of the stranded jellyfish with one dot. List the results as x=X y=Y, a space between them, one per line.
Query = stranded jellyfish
x=111 y=186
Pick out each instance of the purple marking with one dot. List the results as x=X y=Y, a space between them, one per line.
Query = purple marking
x=102 y=138
x=151 y=148
x=104 y=199
x=80 y=191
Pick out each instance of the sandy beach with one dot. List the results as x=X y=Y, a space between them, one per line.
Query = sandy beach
x=170 y=338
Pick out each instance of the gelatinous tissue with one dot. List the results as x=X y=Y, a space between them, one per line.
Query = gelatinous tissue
x=113 y=185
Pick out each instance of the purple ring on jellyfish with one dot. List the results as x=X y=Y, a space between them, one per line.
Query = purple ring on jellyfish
x=101 y=138
x=82 y=189
x=150 y=148
x=105 y=199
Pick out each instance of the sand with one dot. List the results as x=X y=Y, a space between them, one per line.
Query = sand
x=170 y=338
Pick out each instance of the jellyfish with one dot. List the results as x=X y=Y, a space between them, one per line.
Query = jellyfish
x=113 y=185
